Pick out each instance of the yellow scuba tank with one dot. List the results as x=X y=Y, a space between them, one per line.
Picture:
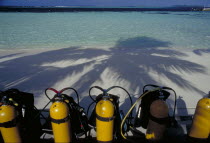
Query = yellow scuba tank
x=59 y=113
x=9 y=124
x=68 y=118
x=200 y=129
x=104 y=120
x=60 y=119
x=107 y=116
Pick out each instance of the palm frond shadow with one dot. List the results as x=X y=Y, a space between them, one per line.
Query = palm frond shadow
x=130 y=59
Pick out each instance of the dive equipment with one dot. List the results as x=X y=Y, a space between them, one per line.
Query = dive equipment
x=104 y=120
x=200 y=130
x=68 y=119
x=153 y=112
x=19 y=122
x=106 y=116
x=9 y=121
x=158 y=120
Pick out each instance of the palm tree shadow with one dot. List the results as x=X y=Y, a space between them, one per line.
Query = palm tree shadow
x=150 y=58
x=130 y=60
x=201 y=51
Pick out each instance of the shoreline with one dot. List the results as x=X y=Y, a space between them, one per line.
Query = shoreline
x=95 y=8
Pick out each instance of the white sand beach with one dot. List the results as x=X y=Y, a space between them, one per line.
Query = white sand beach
x=187 y=71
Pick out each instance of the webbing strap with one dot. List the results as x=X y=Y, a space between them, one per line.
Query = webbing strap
x=59 y=121
x=159 y=120
x=104 y=141
x=105 y=119
x=10 y=124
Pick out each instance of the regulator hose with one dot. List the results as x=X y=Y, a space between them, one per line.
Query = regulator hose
x=105 y=92
x=128 y=113
x=58 y=93
x=144 y=94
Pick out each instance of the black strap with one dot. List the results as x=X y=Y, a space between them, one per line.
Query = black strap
x=105 y=119
x=190 y=139
x=59 y=121
x=159 y=120
x=10 y=124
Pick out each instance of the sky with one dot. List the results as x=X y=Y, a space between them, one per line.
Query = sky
x=145 y=3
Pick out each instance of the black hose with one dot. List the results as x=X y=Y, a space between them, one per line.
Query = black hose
x=60 y=92
x=46 y=93
x=64 y=89
x=131 y=102
x=105 y=92
x=174 y=101
x=97 y=88
x=89 y=107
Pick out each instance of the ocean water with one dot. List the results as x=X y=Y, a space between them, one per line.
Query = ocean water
x=95 y=29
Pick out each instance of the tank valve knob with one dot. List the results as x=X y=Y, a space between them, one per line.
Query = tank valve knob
x=15 y=103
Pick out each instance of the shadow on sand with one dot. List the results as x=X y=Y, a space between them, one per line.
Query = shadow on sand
x=130 y=60
x=201 y=51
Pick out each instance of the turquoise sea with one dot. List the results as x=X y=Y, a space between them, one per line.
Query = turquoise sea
x=95 y=29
